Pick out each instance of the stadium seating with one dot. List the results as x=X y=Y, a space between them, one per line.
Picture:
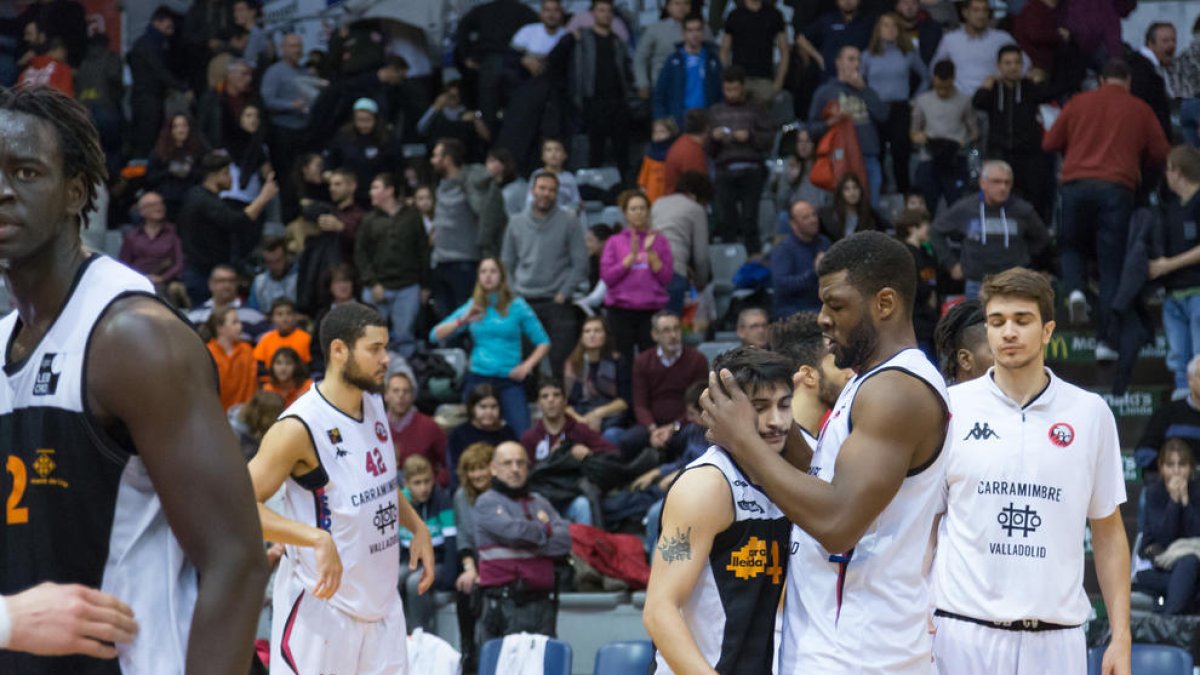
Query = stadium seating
x=1148 y=660
x=514 y=196
x=557 y=662
x=604 y=177
x=624 y=658
x=726 y=259
x=712 y=350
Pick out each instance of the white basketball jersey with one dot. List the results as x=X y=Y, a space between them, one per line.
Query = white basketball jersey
x=1021 y=484
x=353 y=496
x=80 y=505
x=864 y=610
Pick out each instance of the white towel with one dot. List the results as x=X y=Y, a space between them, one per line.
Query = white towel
x=431 y=655
x=522 y=654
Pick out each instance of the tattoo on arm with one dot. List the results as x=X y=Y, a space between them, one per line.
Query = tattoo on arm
x=678 y=547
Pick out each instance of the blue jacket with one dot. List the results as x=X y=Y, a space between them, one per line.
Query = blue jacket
x=793 y=275
x=671 y=87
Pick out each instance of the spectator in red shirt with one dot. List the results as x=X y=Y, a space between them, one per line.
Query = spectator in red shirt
x=687 y=152
x=1101 y=169
x=414 y=432
x=50 y=69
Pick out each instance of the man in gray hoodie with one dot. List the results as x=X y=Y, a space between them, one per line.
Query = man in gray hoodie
x=546 y=260
x=995 y=230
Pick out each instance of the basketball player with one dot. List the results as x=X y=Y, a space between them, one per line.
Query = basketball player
x=1031 y=460
x=817 y=382
x=336 y=607
x=961 y=343
x=864 y=500
x=721 y=559
x=121 y=470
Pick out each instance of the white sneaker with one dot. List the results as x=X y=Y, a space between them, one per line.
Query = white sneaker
x=1105 y=354
x=1077 y=308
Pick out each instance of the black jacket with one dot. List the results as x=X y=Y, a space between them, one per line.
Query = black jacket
x=1146 y=84
x=1013 y=126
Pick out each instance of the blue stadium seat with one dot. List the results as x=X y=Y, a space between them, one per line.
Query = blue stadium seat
x=624 y=658
x=1148 y=660
x=557 y=661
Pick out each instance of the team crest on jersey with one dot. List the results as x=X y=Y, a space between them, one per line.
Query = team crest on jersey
x=1062 y=434
x=380 y=432
x=46 y=381
x=751 y=560
x=335 y=435
x=44 y=467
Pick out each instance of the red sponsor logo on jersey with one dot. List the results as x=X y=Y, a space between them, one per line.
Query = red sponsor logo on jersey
x=380 y=431
x=1062 y=434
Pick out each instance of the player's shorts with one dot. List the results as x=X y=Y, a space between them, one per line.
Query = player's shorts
x=962 y=647
x=310 y=637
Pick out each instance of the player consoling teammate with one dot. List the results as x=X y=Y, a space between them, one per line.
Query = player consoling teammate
x=1014 y=474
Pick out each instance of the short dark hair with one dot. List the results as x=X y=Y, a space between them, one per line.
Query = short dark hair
x=799 y=338
x=695 y=121
x=480 y=392
x=690 y=18
x=1154 y=28
x=1115 y=69
x=944 y=69
x=601 y=2
x=552 y=382
x=753 y=368
x=542 y=173
x=873 y=261
x=164 y=12
x=910 y=220
x=734 y=73
x=78 y=140
x=1007 y=49
x=696 y=184
x=348 y=322
x=214 y=161
x=281 y=301
x=1019 y=282
x=948 y=336
x=274 y=244
x=389 y=179
x=454 y=149
x=660 y=315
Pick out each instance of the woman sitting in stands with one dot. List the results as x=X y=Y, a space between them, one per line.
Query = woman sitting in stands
x=474 y=478
x=1171 y=535
x=483 y=425
x=288 y=376
x=597 y=393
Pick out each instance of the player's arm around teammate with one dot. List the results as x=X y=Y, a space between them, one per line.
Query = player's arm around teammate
x=1110 y=549
x=692 y=516
x=175 y=420
x=893 y=417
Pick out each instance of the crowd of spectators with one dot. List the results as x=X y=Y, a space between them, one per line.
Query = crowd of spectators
x=260 y=181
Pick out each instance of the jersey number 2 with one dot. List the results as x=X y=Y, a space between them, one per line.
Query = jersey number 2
x=375 y=465
x=14 y=513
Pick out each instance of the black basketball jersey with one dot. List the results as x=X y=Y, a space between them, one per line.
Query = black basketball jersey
x=79 y=508
x=731 y=611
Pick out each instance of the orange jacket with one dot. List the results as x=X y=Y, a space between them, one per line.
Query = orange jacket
x=269 y=343
x=237 y=372
x=653 y=178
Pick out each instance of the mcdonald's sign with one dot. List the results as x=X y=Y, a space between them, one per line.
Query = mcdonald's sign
x=1058 y=349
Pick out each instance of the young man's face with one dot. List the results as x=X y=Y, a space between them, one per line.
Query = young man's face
x=693 y=35
x=552 y=403
x=773 y=406
x=276 y=262
x=399 y=396
x=545 y=193
x=554 y=155
x=1010 y=66
x=734 y=92
x=944 y=88
x=366 y=365
x=833 y=380
x=340 y=188
x=1015 y=331
x=284 y=319
x=420 y=487
x=37 y=202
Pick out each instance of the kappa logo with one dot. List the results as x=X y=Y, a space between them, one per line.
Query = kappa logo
x=380 y=432
x=1062 y=434
x=45 y=383
x=335 y=436
x=981 y=432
